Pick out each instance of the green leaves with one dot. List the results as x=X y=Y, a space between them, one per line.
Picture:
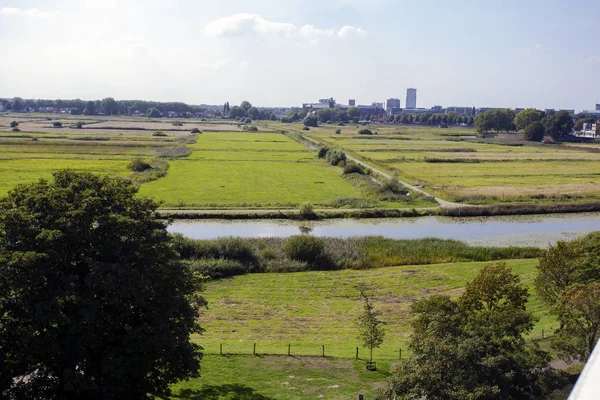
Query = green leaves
x=92 y=296
x=473 y=348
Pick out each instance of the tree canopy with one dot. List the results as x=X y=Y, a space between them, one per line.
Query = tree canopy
x=527 y=117
x=473 y=347
x=94 y=302
x=558 y=124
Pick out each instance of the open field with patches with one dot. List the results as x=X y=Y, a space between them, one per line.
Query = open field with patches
x=215 y=169
x=311 y=309
x=456 y=166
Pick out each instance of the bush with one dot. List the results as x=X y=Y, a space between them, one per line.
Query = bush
x=311 y=121
x=335 y=155
x=153 y=113
x=353 y=168
x=250 y=128
x=159 y=133
x=306 y=210
x=16 y=130
x=341 y=164
x=195 y=130
x=322 y=152
x=57 y=124
x=14 y=124
x=138 y=165
x=365 y=131
x=79 y=125
x=218 y=268
x=232 y=248
x=177 y=124
x=338 y=131
x=309 y=249
x=246 y=120
x=534 y=132
x=305 y=128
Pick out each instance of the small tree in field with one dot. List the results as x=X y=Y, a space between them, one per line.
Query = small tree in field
x=371 y=332
x=14 y=124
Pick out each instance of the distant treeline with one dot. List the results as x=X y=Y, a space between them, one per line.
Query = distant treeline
x=106 y=106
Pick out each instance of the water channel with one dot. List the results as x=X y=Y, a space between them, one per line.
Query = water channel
x=530 y=230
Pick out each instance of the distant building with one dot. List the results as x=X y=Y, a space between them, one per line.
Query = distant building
x=411 y=98
x=549 y=110
x=572 y=112
x=518 y=110
x=351 y=103
x=591 y=112
x=597 y=107
x=437 y=109
x=391 y=104
x=460 y=110
x=377 y=104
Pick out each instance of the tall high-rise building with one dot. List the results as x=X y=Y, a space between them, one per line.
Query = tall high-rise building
x=411 y=98
x=392 y=103
x=597 y=107
x=351 y=102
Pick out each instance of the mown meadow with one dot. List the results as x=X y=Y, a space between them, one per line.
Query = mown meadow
x=455 y=165
x=314 y=308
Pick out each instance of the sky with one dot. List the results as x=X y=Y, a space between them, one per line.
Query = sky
x=486 y=53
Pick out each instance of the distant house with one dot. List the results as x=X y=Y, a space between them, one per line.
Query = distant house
x=588 y=130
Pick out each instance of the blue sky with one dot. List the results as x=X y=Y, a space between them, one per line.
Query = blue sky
x=494 y=53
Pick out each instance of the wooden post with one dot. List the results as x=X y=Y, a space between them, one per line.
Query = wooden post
x=289 y=349
x=400 y=353
x=357 y=353
x=221 y=349
x=323 y=350
x=542 y=333
x=254 y=352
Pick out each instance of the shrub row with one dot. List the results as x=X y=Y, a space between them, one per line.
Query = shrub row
x=219 y=258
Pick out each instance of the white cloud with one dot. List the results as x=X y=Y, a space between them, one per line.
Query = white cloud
x=311 y=31
x=101 y=4
x=33 y=13
x=351 y=31
x=245 y=24
x=252 y=24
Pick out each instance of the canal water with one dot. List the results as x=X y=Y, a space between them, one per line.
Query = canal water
x=536 y=230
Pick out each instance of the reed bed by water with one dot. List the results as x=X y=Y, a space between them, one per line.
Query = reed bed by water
x=223 y=257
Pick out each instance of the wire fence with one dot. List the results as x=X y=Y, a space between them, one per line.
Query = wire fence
x=255 y=348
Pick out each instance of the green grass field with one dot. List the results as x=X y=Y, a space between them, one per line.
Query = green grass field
x=223 y=169
x=477 y=171
x=310 y=309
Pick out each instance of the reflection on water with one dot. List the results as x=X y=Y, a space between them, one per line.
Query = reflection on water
x=537 y=230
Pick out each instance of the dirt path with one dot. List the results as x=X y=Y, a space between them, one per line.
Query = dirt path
x=442 y=203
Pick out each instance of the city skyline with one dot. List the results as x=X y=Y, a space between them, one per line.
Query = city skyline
x=265 y=53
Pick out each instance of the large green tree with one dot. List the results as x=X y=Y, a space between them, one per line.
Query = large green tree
x=578 y=311
x=109 y=106
x=94 y=302
x=527 y=117
x=473 y=347
x=558 y=124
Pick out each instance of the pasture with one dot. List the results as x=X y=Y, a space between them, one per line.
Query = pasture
x=309 y=309
x=457 y=166
x=223 y=167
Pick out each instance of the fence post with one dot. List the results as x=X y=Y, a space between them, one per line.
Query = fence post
x=323 y=350
x=542 y=333
x=254 y=351
x=289 y=349
x=357 y=353
x=221 y=349
x=400 y=353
